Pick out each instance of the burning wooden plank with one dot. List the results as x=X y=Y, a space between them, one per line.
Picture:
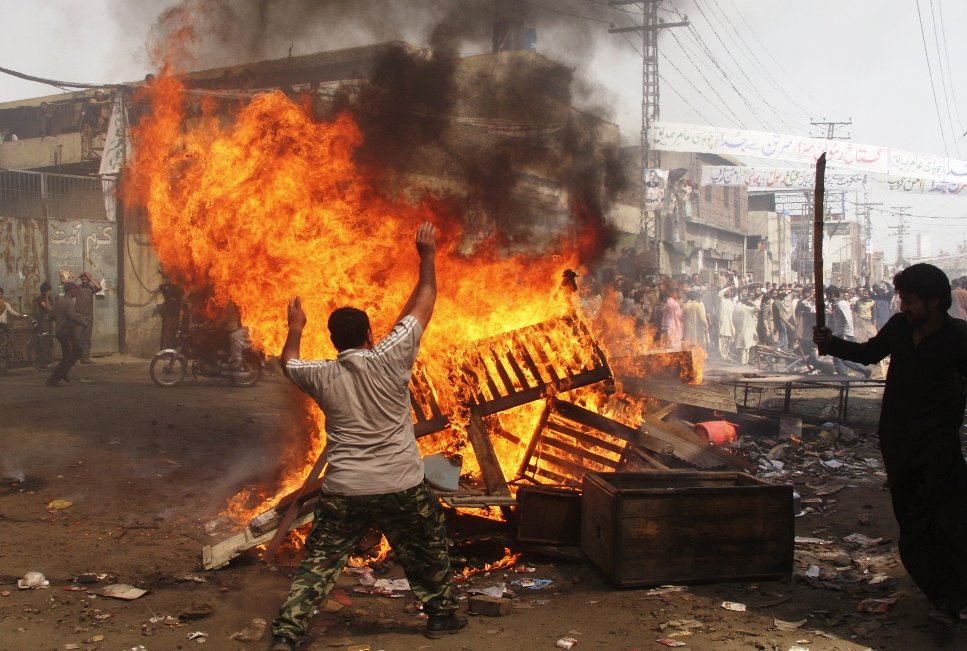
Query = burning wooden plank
x=528 y=364
x=571 y=441
x=717 y=397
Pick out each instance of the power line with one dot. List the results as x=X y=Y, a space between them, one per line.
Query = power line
x=711 y=86
x=728 y=51
x=564 y=13
x=604 y=3
x=662 y=77
x=895 y=212
x=687 y=103
x=725 y=76
x=792 y=78
x=698 y=90
x=943 y=33
x=63 y=85
x=752 y=58
x=933 y=88
x=943 y=79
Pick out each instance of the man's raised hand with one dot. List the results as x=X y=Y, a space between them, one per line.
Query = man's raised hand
x=297 y=317
x=426 y=239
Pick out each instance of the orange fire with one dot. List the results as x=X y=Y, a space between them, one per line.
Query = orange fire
x=271 y=205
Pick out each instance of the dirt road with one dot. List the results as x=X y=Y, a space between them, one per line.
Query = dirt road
x=145 y=469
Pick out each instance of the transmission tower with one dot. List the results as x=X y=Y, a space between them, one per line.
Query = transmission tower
x=650 y=96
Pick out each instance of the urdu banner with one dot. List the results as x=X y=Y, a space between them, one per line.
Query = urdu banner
x=771 y=178
x=671 y=136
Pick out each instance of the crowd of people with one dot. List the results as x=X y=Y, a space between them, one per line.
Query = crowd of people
x=730 y=316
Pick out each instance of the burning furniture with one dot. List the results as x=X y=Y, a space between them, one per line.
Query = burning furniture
x=496 y=374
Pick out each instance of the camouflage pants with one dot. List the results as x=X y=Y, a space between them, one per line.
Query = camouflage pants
x=413 y=523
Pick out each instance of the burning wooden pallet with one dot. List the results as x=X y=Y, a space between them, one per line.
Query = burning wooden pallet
x=494 y=375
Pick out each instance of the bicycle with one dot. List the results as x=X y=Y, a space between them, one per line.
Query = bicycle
x=42 y=350
x=783 y=360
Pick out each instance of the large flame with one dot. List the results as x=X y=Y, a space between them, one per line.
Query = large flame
x=270 y=204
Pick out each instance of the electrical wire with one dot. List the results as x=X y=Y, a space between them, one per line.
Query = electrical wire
x=623 y=9
x=63 y=85
x=700 y=41
x=711 y=86
x=898 y=213
x=791 y=77
x=752 y=85
x=669 y=61
x=662 y=78
x=751 y=56
x=933 y=88
x=943 y=79
x=943 y=33
x=564 y=13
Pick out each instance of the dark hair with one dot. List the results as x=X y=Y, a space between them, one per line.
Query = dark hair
x=833 y=290
x=348 y=328
x=44 y=287
x=926 y=281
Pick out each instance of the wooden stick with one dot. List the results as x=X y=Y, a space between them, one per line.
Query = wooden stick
x=818 y=217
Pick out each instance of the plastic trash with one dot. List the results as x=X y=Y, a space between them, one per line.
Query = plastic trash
x=566 y=643
x=443 y=472
x=32 y=581
x=251 y=633
x=734 y=605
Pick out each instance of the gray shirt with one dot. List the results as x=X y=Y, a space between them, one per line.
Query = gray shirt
x=65 y=316
x=364 y=394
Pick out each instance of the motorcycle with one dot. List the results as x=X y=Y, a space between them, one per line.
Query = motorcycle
x=205 y=353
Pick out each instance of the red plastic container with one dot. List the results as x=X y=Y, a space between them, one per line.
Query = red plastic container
x=718 y=432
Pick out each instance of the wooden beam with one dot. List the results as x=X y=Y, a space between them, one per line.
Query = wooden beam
x=483 y=449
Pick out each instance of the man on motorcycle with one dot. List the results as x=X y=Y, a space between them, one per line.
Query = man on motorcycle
x=238 y=335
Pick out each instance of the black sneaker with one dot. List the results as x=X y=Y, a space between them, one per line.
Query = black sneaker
x=439 y=625
x=280 y=643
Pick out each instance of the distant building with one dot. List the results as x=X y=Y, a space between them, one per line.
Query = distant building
x=702 y=229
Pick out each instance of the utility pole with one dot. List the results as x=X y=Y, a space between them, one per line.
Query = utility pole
x=830 y=134
x=901 y=231
x=651 y=24
x=867 y=207
x=831 y=128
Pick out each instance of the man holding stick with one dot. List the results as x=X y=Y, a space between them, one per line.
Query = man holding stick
x=919 y=432
x=374 y=473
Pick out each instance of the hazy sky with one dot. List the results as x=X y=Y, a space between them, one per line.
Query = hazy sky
x=760 y=64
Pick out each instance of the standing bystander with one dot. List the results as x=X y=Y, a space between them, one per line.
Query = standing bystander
x=68 y=328
x=671 y=320
x=841 y=325
x=726 y=327
x=694 y=323
x=919 y=432
x=85 y=307
x=744 y=320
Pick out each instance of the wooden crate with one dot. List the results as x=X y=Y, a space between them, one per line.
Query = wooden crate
x=549 y=515
x=683 y=526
